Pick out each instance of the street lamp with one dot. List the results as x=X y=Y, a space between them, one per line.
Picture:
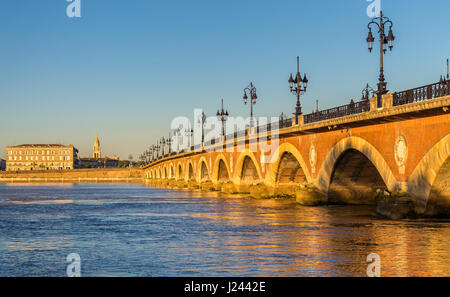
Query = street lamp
x=251 y=90
x=385 y=43
x=222 y=115
x=202 y=121
x=366 y=93
x=189 y=133
x=169 y=144
x=298 y=87
x=176 y=138
x=153 y=148
x=163 y=144
x=157 y=147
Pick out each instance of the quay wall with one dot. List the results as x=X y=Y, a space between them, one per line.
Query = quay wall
x=113 y=175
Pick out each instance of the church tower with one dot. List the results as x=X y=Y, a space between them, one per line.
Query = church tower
x=97 y=153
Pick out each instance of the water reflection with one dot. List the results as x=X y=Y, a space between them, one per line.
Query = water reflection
x=134 y=230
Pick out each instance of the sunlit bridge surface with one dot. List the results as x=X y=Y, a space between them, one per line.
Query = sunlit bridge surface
x=134 y=230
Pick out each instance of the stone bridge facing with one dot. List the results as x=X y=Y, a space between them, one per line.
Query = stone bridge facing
x=404 y=149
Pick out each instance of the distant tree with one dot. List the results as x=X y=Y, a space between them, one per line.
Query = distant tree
x=124 y=164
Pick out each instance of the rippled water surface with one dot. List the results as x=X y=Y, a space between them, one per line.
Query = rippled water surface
x=135 y=230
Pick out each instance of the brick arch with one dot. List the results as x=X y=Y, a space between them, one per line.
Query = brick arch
x=179 y=171
x=422 y=179
x=362 y=146
x=240 y=166
x=215 y=171
x=158 y=173
x=187 y=170
x=171 y=171
x=286 y=147
x=200 y=167
x=164 y=172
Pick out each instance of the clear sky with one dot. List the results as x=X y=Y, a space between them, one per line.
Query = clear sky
x=126 y=68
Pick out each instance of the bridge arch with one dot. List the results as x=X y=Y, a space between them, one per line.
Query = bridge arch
x=287 y=160
x=354 y=145
x=179 y=172
x=165 y=171
x=158 y=173
x=221 y=169
x=190 y=174
x=171 y=171
x=247 y=168
x=433 y=168
x=203 y=172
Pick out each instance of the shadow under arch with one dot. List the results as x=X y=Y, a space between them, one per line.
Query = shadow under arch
x=203 y=170
x=355 y=180
x=179 y=172
x=221 y=169
x=190 y=174
x=247 y=169
x=429 y=181
x=164 y=171
x=158 y=173
x=365 y=148
x=171 y=171
x=287 y=152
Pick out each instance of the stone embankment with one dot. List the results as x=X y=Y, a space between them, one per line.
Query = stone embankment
x=113 y=175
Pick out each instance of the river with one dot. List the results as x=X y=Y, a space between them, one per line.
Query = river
x=136 y=230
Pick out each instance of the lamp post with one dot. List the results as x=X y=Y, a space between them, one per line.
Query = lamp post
x=366 y=93
x=157 y=147
x=189 y=133
x=298 y=87
x=163 y=144
x=202 y=121
x=251 y=90
x=176 y=138
x=222 y=115
x=169 y=144
x=385 y=43
x=153 y=152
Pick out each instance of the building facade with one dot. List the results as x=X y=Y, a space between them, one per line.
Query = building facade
x=32 y=157
x=2 y=164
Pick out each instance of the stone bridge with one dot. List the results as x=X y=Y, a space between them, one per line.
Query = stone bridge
x=396 y=156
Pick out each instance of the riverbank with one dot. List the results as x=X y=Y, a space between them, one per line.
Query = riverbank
x=104 y=175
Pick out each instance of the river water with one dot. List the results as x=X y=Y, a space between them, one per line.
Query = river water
x=135 y=230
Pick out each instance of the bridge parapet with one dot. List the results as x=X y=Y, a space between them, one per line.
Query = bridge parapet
x=364 y=113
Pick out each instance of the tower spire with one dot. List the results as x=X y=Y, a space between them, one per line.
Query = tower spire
x=97 y=152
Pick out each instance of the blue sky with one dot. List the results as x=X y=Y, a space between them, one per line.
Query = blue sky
x=125 y=69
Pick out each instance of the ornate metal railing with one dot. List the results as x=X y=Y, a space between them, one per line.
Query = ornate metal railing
x=432 y=91
x=337 y=112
